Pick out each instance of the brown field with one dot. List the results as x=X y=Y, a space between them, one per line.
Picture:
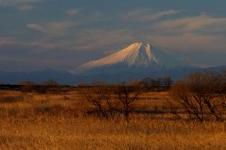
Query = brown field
x=59 y=121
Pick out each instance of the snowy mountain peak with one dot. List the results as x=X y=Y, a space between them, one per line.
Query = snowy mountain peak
x=136 y=54
x=142 y=55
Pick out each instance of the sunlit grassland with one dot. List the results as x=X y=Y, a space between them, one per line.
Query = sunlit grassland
x=58 y=121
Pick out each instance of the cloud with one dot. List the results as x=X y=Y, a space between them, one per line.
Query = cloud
x=146 y=15
x=37 y=27
x=32 y=46
x=6 y=41
x=168 y=31
x=23 y=5
x=17 y=2
x=84 y=40
x=193 y=24
x=58 y=28
x=197 y=33
x=99 y=39
x=72 y=12
x=190 y=42
x=180 y=33
x=200 y=33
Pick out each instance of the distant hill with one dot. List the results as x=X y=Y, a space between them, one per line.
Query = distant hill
x=109 y=76
x=38 y=77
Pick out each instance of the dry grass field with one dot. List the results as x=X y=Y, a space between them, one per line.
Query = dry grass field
x=59 y=121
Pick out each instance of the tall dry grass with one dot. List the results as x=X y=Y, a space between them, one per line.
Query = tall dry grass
x=52 y=121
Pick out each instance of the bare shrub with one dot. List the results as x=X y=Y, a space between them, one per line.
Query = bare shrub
x=99 y=97
x=201 y=94
x=193 y=107
x=127 y=95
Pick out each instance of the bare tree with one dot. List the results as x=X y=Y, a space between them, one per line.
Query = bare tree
x=127 y=95
x=192 y=106
x=200 y=94
x=99 y=97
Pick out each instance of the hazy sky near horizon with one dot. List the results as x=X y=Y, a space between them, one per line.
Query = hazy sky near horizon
x=63 y=34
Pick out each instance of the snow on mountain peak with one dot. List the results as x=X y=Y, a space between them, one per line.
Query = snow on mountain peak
x=136 y=54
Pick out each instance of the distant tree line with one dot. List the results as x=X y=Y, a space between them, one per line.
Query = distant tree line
x=163 y=83
x=49 y=86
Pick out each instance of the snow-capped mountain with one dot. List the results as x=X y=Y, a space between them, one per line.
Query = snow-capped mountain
x=136 y=61
x=136 y=54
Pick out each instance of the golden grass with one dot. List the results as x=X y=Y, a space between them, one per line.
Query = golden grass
x=58 y=122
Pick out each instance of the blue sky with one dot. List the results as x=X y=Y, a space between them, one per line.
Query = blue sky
x=41 y=34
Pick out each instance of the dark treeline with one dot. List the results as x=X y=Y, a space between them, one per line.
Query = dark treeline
x=163 y=83
x=49 y=86
x=148 y=84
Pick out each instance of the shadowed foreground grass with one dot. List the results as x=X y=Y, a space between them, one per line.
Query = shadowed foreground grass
x=55 y=122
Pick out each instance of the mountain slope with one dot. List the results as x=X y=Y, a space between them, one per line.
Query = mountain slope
x=135 y=62
x=136 y=54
